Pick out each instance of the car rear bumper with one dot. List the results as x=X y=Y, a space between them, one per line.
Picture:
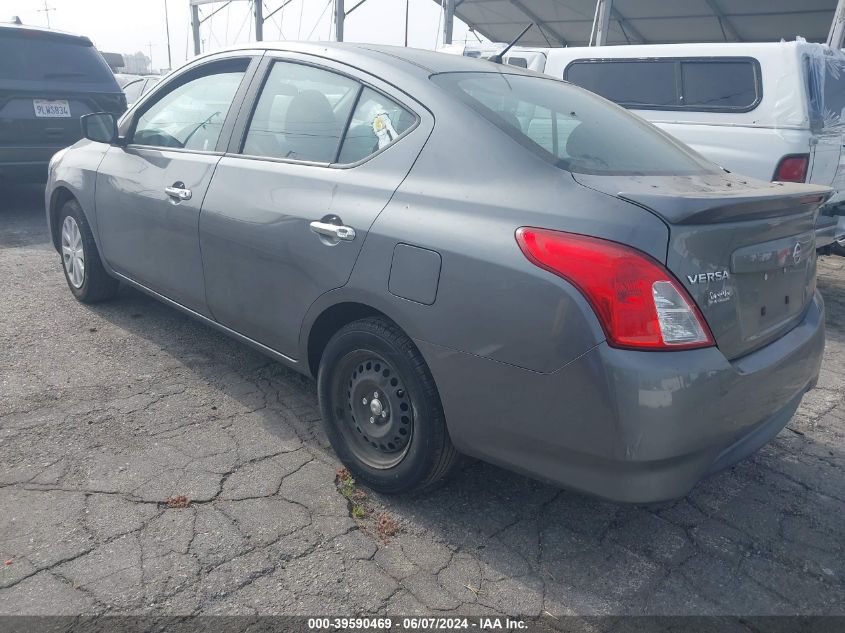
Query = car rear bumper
x=26 y=163
x=628 y=426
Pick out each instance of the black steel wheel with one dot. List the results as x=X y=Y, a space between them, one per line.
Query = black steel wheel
x=378 y=420
x=381 y=409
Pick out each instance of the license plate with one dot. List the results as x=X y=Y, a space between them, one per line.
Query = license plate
x=45 y=109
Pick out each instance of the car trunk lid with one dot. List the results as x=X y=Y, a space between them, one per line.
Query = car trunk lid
x=744 y=250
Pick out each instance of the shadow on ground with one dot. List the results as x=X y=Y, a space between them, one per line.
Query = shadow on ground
x=110 y=409
x=762 y=537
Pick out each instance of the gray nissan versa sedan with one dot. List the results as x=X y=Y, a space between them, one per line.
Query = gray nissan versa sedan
x=469 y=257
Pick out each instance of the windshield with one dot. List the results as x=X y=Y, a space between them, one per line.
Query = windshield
x=571 y=127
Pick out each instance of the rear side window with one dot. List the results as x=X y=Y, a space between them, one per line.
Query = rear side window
x=572 y=128
x=39 y=58
x=711 y=84
x=628 y=83
x=825 y=79
x=301 y=113
x=834 y=95
x=718 y=84
x=376 y=123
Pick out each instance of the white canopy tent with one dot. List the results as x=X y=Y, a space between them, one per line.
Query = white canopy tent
x=607 y=22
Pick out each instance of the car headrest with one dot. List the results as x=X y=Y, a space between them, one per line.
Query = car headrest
x=311 y=130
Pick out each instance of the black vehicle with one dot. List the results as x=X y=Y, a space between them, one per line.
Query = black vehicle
x=48 y=80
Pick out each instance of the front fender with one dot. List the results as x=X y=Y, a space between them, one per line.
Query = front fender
x=73 y=174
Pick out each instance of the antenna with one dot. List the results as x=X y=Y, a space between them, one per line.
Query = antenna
x=46 y=11
x=497 y=58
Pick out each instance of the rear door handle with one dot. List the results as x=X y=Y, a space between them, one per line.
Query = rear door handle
x=333 y=231
x=178 y=191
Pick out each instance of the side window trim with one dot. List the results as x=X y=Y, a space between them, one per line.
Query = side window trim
x=189 y=75
x=348 y=122
x=679 y=95
x=253 y=93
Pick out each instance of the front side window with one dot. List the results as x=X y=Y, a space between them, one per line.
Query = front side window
x=301 y=113
x=191 y=115
x=376 y=123
x=572 y=128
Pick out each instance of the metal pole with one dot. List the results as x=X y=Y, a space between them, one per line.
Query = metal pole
x=195 y=28
x=167 y=28
x=448 y=20
x=339 y=17
x=603 y=22
x=259 y=19
x=407 y=5
x=837 y=28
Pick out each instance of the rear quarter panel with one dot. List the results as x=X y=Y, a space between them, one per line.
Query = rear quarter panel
x=470 y=189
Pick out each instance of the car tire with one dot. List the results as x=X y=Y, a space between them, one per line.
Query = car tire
x=84 y=272
x=381 y=410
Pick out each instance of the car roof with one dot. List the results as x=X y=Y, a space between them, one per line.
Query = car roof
x=9 y=29
x=417 y=61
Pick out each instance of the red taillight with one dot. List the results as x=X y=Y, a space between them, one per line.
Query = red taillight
x=792 y=168
x=639 y=303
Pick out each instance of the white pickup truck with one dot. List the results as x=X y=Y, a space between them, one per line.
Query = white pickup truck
x=773 y=111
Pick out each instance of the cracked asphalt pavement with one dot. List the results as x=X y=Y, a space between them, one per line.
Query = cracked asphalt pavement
x=108 y=411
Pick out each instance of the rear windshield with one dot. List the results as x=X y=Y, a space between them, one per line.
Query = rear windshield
x=47 y=59
x=571 y=127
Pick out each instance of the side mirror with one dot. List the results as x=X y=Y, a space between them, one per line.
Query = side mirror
x=100 y=127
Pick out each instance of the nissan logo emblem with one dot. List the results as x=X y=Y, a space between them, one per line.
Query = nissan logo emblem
x=796 y=252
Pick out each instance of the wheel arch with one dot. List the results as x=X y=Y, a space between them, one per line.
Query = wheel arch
x=58 y=198
x=329 y=321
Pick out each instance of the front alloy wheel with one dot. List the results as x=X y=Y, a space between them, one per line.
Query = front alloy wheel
x=73 y=252
x=86 y=277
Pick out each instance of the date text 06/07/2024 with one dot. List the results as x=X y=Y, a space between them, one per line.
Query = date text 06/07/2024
x=416 y=623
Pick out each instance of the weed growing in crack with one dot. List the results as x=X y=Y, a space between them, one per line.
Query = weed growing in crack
x=386 y=527
x=345 y=483
x=178 y=501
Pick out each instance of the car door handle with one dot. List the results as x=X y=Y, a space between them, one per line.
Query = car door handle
x=178 y=191
x=333 y=231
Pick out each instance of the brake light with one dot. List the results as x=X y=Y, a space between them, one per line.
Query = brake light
x=792 y=168
x=638 y=302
